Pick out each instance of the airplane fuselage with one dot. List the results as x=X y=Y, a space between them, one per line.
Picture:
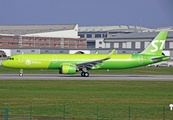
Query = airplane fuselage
x=55 y=61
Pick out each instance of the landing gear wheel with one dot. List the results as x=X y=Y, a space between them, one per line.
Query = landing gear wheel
x=82 y=74
x=86 y=74
x=20 y=74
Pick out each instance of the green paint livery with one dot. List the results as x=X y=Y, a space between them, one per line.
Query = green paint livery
x=72 y=63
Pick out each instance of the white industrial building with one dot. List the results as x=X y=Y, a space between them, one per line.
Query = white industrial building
x=46 y=36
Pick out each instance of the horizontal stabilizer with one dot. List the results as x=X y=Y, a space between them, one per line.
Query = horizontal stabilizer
x=159 y=58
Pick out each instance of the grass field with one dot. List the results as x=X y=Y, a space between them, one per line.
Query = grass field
x=139 y=70
x=104 y=100
x=114 y=96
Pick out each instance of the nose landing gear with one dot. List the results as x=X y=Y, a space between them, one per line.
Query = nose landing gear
x=21 y=73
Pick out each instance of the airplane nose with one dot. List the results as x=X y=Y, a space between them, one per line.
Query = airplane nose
x=4 y=63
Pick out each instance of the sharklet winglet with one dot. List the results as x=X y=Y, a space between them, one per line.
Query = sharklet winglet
x=110 y=54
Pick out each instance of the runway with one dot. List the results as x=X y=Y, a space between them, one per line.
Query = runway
x=91 y=77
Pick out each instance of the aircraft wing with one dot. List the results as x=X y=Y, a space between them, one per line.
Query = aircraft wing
x=91 y=64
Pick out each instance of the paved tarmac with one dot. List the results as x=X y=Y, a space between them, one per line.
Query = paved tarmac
x=91 y=77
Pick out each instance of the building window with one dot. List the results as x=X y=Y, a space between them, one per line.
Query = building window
x=18 y=51
x=124 y=45
x=47 y=40
x=137 y=45
x=97 y=35
x=70 y=40
x=56 y=40
x=26 y=39
x=81 y=35
x=89 y=35
x=10 y=43
x=100 y=42
x=41 y=39
x=4 y=43
x=0 y=38
x=84 y=41
x=16 y=38
x=36 y=39
x=51 y=44
x=4 y=38
x=104 y=35
x=41 y=44
x=65 y=45
x=46 y=44
x=56 y=44
x=26 y=44
x=51 y=40
x=46 y=50
x=61 y=51
x=31 y=39
x=129 y=44
x=16 y=44
x=36 y=44
x=10 y=38
x=32 y=50
x=31 y=44
x=0 y=43
x=65 y=40
x=74 y=40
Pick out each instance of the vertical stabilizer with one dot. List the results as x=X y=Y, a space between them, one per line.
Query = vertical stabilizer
x=157 y=45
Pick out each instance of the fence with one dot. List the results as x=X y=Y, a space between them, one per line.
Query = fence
x=82 y=112
x=4 y=113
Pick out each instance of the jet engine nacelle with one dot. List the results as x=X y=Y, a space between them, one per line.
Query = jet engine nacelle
x=68 y=69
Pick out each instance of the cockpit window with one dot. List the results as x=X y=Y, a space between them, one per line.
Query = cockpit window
x=10 y=58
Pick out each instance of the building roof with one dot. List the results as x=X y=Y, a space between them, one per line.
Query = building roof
x=29 y=29
x=108 y=28
x=141 y=35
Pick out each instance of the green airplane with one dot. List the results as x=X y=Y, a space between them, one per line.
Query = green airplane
x=72 y=63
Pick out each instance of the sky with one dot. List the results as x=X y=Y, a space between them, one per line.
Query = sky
x=147 y=13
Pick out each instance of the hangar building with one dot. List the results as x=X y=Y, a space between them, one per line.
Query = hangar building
x=96 y=34
x=46 y=36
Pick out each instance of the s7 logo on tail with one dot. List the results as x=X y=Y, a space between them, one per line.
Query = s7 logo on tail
x=156 y=46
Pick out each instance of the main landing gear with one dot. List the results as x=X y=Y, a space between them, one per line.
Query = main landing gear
x=21 y=73
x=84 y=72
